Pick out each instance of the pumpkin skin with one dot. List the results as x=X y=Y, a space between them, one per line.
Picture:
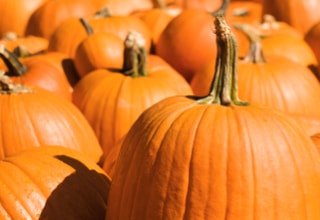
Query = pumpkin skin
x=97 y=51
x=291 y=11
x=312 y=39
x=274 y=81
x=112 y=101
x=70 y=33
x=209 y=158
x=30 y=72
x=52 y=182
x=181 y=42
x=15 y=15
x=49 y=15
x=36 y=117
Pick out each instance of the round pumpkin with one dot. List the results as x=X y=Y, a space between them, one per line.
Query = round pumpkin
x=32 y=117
x=112 y=101
x=52 y=182
x=215 y=157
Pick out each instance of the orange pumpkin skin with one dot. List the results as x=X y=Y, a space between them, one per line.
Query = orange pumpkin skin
x=182 y=41
x=45 y=75
x=279 y=83
x=185 y=160
x=52 y=183
x=39 y=117
x=292 y=12
x=99 y=50
x=312 y=39
x=112 y=101
x=49 y=16
x=70 y=33
x=15 y=15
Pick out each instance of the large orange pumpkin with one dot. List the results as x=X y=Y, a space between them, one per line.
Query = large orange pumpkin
x=112 y=101
x=215 y=157
x=32 y=117
x=52 y=182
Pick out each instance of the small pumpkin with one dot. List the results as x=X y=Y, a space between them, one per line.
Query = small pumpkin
x=67 y=36
x=98 y=50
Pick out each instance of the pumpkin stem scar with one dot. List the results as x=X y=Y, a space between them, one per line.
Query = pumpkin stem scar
x=15 y=67
x=224 y=87
x=7 y=87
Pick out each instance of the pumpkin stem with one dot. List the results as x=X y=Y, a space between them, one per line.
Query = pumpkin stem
x=255 y=53
x=102 y=13
x=222 y=9
x=7 y=87
x=135 y=55
x=86 y=26
x=15 y=67
x=224 y=88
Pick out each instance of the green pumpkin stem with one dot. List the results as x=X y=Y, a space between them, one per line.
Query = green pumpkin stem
x=135 y=56
x=15 y=67
x=86 y=26
x=102 y=13
x=224 y=88
x=255 y=53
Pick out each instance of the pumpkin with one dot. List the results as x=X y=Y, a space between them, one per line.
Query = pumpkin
x=271 y=80
x=30 y=71
x=32 y=117
x=70 y=33
x=302 y=15
x=98 y=50
x=31 y=43
x=312 y=39
x=46 y=18
x=215 y=157
x=112 y=101
x=52 y=182
x=15 y=15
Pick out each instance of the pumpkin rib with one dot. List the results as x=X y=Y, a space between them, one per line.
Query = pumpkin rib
x=8 y=179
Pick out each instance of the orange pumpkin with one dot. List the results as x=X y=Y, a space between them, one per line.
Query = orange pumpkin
x=31 y=72
x=302 y=15
x=112 y=101
x=15 y=15
x=98 y=50
x=210 y=158
x=45 y=19
x=70 y=33
x=52 y=183
x=32 y=117
x=271 y=80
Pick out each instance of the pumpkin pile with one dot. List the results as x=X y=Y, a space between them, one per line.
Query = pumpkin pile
x=165 y=109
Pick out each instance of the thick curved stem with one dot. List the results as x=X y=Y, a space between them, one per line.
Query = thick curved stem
x=15 y=67
x=224 y=87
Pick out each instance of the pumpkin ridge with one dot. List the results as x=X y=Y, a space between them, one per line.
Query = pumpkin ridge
x=8 y=183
